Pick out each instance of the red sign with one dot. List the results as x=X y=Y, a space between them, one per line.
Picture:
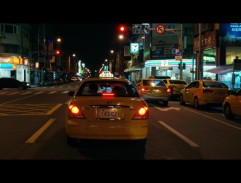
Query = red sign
x=160 y=29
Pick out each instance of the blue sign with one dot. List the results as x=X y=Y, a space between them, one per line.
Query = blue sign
x=6 y=66
x=231 y=29
x=176 y=51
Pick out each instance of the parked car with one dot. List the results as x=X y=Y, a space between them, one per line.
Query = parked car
x=13 y=83
x=176 y=85
x=204 y=92
x=232 y=104
x=154 y=90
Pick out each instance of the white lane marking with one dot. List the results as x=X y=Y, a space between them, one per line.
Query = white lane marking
x=187 y=140
x=65 y=91
x=54 y=109
x=13 y=93
x=3 y=93
x=52 y=92
x=25 y=93
x=213 y=119
x=16 y=100
x=33 y=138
x=168 y=108
x=38 y=93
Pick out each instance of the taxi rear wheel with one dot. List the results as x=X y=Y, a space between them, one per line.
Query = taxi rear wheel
x=165 y=103
x=181 y=100
x=228 y=112
x=196 y=103
x=72 y=142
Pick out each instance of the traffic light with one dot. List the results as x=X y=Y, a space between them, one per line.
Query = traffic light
x=122 y=28
x=57 y=52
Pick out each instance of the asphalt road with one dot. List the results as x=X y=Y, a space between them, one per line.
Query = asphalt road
x=32 y=126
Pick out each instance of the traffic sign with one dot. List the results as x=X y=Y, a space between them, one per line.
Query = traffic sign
x=160 y=29
x=176 y=51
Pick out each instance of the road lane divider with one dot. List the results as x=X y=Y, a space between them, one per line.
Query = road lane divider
x=54 y=109
x=185 y=139
x=222 y=122
x=33 y=138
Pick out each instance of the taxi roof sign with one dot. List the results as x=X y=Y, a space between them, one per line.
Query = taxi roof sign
x=105 y=74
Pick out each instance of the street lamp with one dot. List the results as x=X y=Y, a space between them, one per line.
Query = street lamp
x=112 y=61
x=121 y=56
x=106 y=68
x=59 y=40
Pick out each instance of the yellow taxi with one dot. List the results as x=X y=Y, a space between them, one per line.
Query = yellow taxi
x=154 y=90
x=107 y=108
x=204 y=92
x=176 y=85
x=232 y=104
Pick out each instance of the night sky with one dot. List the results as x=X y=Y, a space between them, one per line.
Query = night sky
x=90 y=42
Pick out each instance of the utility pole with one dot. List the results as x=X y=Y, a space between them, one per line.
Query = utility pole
x=180 y=44
x=199 y=64
x=181 y=48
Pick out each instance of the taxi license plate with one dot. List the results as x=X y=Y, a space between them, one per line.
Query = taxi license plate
x=108 y=113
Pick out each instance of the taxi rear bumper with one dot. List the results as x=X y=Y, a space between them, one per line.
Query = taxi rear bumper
x=110 y=131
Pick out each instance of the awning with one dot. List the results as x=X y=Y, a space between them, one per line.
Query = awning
x=221 y=69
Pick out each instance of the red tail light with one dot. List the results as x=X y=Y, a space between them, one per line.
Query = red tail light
x=169 y=90
x=142 y=113
x=75 y=112
x=143 y=89
x=108 y=94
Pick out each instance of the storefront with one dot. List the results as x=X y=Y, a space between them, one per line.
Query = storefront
x=15 y=67
x=169 y=67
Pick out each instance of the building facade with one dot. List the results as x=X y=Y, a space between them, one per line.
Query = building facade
x=220 y=44
x=14 y=51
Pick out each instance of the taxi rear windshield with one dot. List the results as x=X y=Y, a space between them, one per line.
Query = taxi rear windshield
x=97 y=88
x=177 y=82
x=214 y=85
x=153 y=81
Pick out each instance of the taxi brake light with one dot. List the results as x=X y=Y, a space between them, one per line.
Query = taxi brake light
x=142 y=113
x=169 y=90
x=108 y=94
x=75 y=112
x=143 y=89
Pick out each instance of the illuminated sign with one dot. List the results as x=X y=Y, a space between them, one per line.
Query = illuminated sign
x=231 y=29
x=135 y=47
x=235 y=27
x=6 y=66
x=208 y=59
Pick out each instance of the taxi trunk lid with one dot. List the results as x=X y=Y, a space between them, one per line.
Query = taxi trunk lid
x=117 y=108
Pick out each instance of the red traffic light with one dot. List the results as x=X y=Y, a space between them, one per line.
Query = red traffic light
x=57 y=52
x=122 y=28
